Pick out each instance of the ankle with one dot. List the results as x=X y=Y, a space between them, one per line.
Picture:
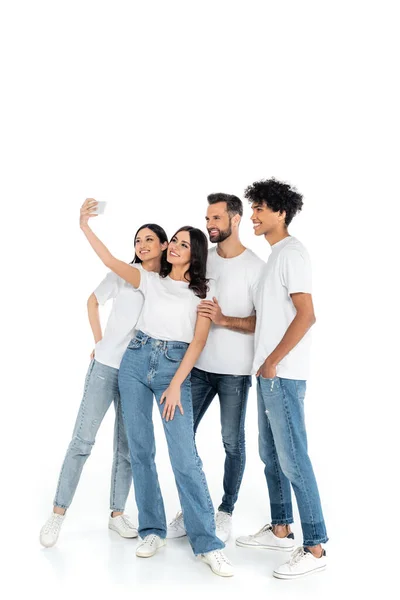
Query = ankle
x=59 y=511
x=281 y=531
x=316 y=551
x=116 y=513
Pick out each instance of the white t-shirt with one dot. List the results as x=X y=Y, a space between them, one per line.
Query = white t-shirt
x=231 y=352
x=170 y=308
x=288 y=271
x=125 y=311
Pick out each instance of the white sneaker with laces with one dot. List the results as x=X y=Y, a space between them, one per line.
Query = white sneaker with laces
x=301 y=563
x=51 y=530
x=176 y=528
x=266 y=539
x=218 y=562
x=223 y=525
x=123 y=526
x=149 y=546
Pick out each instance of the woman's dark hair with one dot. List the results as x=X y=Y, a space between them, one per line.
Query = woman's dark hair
x=162 y=236
x=277 y=196
x=196 y=272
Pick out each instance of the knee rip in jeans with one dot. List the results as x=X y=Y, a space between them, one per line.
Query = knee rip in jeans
x=78 y=440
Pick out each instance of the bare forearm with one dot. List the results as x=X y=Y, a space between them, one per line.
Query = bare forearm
x=294 y=334
x=244 y=325
x=94 y=318
x=128 y=273
x=189 y=360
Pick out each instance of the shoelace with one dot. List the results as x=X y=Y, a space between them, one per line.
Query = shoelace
x=177 y=521
x=150 y=539
x=221 y=558
x=222 y=518
x=53 y=524
x=297 y=555
x=126 y=524
x=264 y=529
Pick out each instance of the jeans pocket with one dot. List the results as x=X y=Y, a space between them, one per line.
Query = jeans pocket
x=175 y=353
x=134 y=344
x=271 y=385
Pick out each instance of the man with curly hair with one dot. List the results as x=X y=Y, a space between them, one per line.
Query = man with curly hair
x=224 y=367
x=285 y=315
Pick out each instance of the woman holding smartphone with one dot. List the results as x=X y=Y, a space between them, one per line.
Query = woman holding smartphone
x=158 y=361
x=101 y=387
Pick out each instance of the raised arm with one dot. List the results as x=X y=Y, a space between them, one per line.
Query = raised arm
x=172 y=395
x=124 y=270
x=212 y=310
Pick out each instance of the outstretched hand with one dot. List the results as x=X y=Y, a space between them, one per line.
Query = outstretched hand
x=87 y=211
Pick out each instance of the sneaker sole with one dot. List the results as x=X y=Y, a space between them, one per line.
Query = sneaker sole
x=262 y=547
x=47 y=545
x=148 y=554
x=216 y=572
x=121 y=534
x=284 y=576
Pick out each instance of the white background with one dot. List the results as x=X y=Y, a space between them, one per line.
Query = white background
x=152 y=106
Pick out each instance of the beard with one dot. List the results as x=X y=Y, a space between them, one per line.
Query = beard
x=222 y=235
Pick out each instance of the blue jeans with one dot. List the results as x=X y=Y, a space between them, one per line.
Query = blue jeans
x=283 y=450
x=101 y=389
x=233 y=391
x=147 y=369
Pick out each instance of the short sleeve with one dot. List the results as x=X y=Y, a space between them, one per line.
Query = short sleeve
x=212 y=289
x=296 y=271
x=257 y=278
x=107 y=289
x=148 y=279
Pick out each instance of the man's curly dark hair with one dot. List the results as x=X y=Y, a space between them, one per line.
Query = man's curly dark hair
x=278 y=196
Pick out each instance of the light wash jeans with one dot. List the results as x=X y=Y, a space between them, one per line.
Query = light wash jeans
x=101 y=389
x=233 y=391
x=283 y=450
x=146 y=370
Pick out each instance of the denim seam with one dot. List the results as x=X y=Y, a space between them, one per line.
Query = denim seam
x=201 y=413
x=277 y=472
x=116 y=456
x=321 y=540
x=242 y=443
x=288 y=420
x=83 y=405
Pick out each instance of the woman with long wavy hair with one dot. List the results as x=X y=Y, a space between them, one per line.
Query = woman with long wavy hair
x=101 y=388
x=157 y=363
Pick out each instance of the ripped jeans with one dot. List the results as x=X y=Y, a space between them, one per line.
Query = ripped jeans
x=101 y=389
x=283 y=450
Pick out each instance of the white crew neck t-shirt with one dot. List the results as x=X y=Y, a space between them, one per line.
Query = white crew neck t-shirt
x=125 y=311
x=288 y=271
x=170 y=308
x=231 y=352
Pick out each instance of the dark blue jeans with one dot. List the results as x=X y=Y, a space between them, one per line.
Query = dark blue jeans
x=233 y=391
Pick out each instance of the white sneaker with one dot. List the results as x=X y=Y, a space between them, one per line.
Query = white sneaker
x=218 y=562
x=223 y=525
x=301 y=563
x=149 y=546
x=265 y=538
x=51 y=530
x=176 y=528
x=123 y=526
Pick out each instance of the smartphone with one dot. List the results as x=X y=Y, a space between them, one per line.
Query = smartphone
x=101 y=207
